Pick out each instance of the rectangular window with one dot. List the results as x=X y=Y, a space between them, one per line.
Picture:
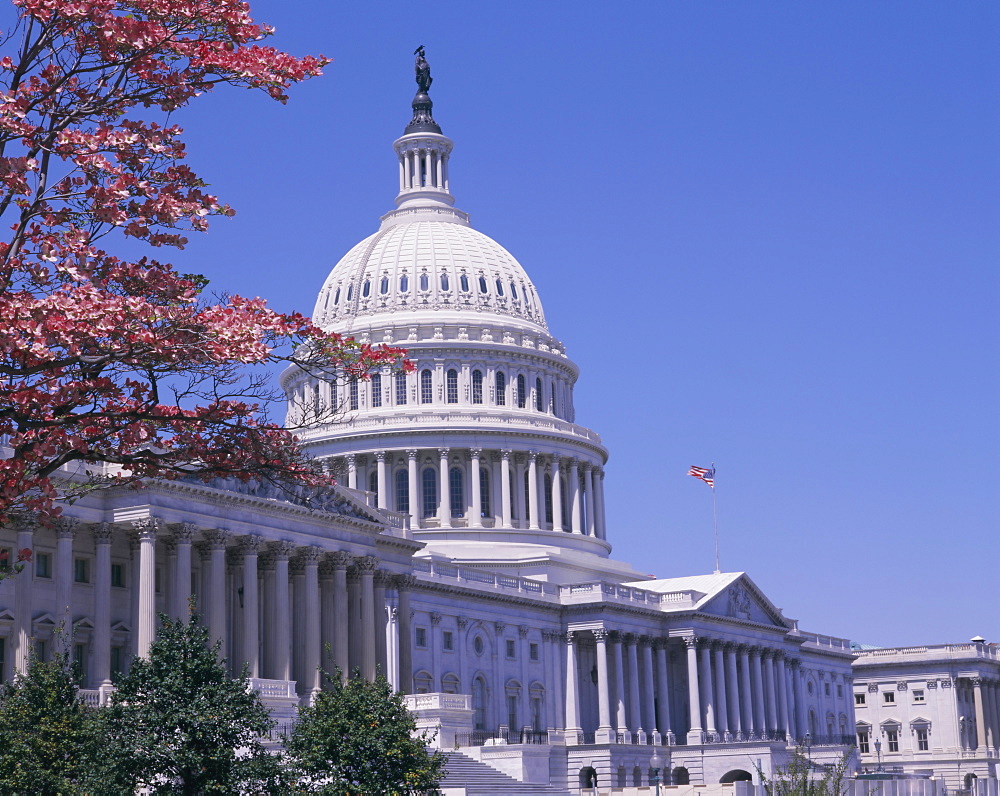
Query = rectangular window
x=840 y=690
x=354 y=394
x=421 y=637
x=826 y=689
x=448 y=640
x=43 y=565
x=376 y=390
x=40 y=650
x=512 y=711
x=117 y=663
x=859 y=700
x=81 y=570
x=400 y=389
x=533 y=651
x=511 y=648
x=889 y=698
x=4 y=558
x=892 y=737
x=863 y=741
x=922 y=742
x=118 y=576
x=79 y=663
x=918 y=696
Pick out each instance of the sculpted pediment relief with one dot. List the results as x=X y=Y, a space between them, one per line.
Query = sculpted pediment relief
x=742 y=601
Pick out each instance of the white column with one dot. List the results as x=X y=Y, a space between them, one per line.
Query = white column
x=216 y=542
x=310 y=557
x=352 y=471
x=648 y=719
x=23 y=596
x=505 y=487
x=556 y=494
x=428 y=171
x=801 y=720
x=604 y=731
x=977 y=692
x=281 y=632
x=663 y=691
x=402 y=175
x=621 y=720
x=733 y=691
x=102 y=605
x=383 y=481
x=444 y=509
x=757 y=680
x=588 y=484
x=249 y=546
x=416 y=498
x=533 y=490
x=722 y=712
x=695 y=735
x=784 y=716
x=574 y=495
x=146 y=530
x=572 y=706
x=403 y=585
x=340 y=560
x=707 y=695
x=366 y=574
x=476 y=520
x=599 y=503
x=183 y=535
x=327 y=616
x=518 y=497
x=746 y=692
x=772 y=703
x=65 y=533
x=381 y=582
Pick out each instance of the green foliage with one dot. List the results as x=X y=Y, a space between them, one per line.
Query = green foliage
x=45 y=732
x=358 y=738
x=178 y=724
x=802 y=777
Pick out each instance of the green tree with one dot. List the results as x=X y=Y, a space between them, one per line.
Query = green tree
x=179 y=724
x=802 y=777
x=358 y=738
x=45 y=731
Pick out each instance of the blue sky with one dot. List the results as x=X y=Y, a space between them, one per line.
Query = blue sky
x=767 y=233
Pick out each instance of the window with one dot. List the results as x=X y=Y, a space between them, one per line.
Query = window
x=404 y=283
x=81 y=570
x=826 y=689
x=41 y=650
x=373 y=483
x=548 y=499
x=118 y=576
x=501 y=386
x=426 y=387
x=918 y=696
x=486 y=508
x=892 y=739
x=421 y=637
x=354 y=394
x=859 y=700
x=43 y=565
x=400 y=389
x=457 y=492
x=384 y=285
x=511 y=649
x=479 y=702
x=536 y=712
x=444 y=281
x=117 y=663
x=533 y=651
x=840 y=690
x=366 y=288
x=425 y=282
x=336 y=296
x=402 y=491
x=79 y=663
x=448 y=640
x=511 y=711
x=478 y=645
x=477 y=386
x=452 y=383
x=863 y=739
x=522 y=391
x=539 y=398
x=423 y=682
x=889 y=698
x=430 y=498
x=449 y=684
x=350 y=292
x=4 y=558
x=482 y=285
x=922 y=740
x=377 y=389
x=513 y=291
x=499 y=288
x=463 y=282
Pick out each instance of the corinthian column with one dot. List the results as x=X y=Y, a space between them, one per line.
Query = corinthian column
x=281 y=633
x=720 y=690
x=533 y=490
x=574 y=495
x=444 y=508
x=604 y=733
x=102 y=605
x=557 y=521
x=382 y=497
x=340 y=560
x=366 y=573
x=695 y=733
x=476 y=520
x=403 y=585
x=505 y=488
x=182 y=578
x=310 y=670
x=416 y=499
x=588 y=488
x=251 y=636
x=146 y=530
x=65 y=533
x=23 y=595
x=573 y=727
x=216 y=541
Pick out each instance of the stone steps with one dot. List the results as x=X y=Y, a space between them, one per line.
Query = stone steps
x=479 y=779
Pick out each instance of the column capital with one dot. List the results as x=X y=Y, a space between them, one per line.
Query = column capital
x=184 y=531
x=380 y=456
x=532 y=455
x=569 y=636
x=556 y=458
x=443 y=452
x=795 y=662
x=691 y=642
x=103 y=532
x=435 y=618
x=215 y=539
x=326 y=569
x=629 y=639
x=574 y=463
x=463 y=622
x=309 y=556
x=475 y=453
x=411 y=454
x=522 y=631
x=340 y=559
x=499 y=627
x=366 y=563
x=383 y=579
x=601 y=634
x=146 y=529
x=66 y=527
x=660 y=643
x=404 y=582
x=282 y=550
x=505 y=454
x=250 y=544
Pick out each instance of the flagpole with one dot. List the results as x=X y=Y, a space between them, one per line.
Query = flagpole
x=715 y=520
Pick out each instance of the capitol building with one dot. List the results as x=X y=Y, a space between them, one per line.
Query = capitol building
x=465 y=553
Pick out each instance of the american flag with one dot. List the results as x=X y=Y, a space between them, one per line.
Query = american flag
x=704 y=473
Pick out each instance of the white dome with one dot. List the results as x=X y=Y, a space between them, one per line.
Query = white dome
x=425 y=265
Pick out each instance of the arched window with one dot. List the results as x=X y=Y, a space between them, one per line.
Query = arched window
x=425 y=282
x=384 y=286
x=457 y=492
x=449 y=684
x=350 y=292
x=404 y=283
x=501 y=388
x=400 y=389
x=423 y=682
x=522 y=392
x=452 y=382
x=402 y=491
x=482 y=285
x=430 y=491
x=354 y=394
x=477 y=386
x=366 y=288
x=463 y=282
x=548 y=499
x=499 y=288
x=444 y=281
x=479 y=702
x=377 y=389
x=484 y=492
x=317 y=402
x=336 y=297
x=537 y=696
x=527 y=494
x=373 y=484
x=539 y=397
x=513 y=291
x=426 y=387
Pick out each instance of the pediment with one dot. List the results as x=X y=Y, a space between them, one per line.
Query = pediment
x=741 y=600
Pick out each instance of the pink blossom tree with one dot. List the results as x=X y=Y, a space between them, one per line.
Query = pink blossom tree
x=113 y=362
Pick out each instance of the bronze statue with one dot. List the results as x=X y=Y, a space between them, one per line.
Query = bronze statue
x=423 y=70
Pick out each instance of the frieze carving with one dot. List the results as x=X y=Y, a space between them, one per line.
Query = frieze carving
x=872 y=688
x=499 y=628
x=901 y=685
x=932 y=684
x=463 y=622
x=739 y=601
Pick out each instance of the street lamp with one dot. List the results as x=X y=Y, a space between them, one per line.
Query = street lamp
x=878 y=752
x=805 y=778
x=656 y=763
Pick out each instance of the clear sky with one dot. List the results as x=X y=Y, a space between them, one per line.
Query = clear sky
x=767 y=232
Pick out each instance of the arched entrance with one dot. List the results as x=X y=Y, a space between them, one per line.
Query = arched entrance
x=681 y=776
x=588 y=777
x=736 y=775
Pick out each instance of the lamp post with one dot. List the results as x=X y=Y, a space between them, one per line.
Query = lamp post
x=656 y=764
x=878 y=752
x=805 y=778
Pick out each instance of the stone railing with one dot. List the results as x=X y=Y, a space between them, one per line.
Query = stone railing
x=827 y=642
x=601 y=591
x=437 y=701
x=274 y=689
x=438 y=570
x=932 y=651
x=91 y=697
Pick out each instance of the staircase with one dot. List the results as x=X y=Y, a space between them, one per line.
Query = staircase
x=479 y=779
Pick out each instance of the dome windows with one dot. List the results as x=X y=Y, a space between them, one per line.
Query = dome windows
x=501 y=387
x=444 y=282
x=377 y=390
x=477 y=386
x=425 y=282
x=482 y=285
x=456 y=490
x=513 y=291
x=500 y=288
x=336 y=297
x=426 y=387
x=404 y=283
x=402 y=491
x=384 y=285
x=400 y=389
x=522 y=392
x=452 y=384
x=350 y=292
x=463 y=283
x=539 y=397
x=366 y=288
x=429 y=498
